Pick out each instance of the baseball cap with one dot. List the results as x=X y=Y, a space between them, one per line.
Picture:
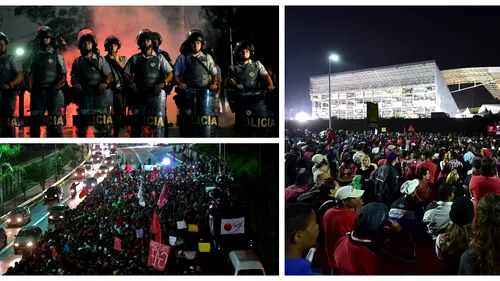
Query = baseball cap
x=318 y=158
x=391 y=156
x=348 y=192
x=462 y=211
x=409 y=187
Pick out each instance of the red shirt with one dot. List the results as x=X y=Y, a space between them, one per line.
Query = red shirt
x=354 y=259
x=432 y=169
x=336 y=223
x=480 y=186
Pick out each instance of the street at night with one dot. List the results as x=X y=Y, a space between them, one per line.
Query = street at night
x=200 y=220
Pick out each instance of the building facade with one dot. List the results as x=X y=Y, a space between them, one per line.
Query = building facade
x=401 y=91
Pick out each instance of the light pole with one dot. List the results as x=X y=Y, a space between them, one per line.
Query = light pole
x=334 y=58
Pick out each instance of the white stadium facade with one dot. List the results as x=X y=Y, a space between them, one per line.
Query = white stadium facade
x=412 y=90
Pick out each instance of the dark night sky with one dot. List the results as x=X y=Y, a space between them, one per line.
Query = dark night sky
x=365 y=37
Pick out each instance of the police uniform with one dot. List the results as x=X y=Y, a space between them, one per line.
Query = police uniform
x=117 y=86
x=46 y=69
x=249 y=105
x=149 y=71
x=10 y=66
x=91 y=99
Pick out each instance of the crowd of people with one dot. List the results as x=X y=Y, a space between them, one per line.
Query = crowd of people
x=84 y=243
x=392 y=203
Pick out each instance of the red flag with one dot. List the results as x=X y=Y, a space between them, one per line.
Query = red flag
x=163 y=196
x=117 y=245
x=155 y=227
x=154 y=194
x=84 y=192
x=54 y=252
x=128 y=168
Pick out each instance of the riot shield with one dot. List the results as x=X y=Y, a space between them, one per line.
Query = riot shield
x=150 y=116
x=94 y=109
x=198 y=116
x=253 y=119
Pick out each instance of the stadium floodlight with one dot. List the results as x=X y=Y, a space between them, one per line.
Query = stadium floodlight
x=302 y=116
x=334 y=58
x=166 y=161
x=20 y=51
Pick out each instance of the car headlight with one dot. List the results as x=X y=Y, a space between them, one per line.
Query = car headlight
x=29 y=244
x=19 y=219
x=61 y=217
x=9 y=220
x=51 y=217
x=45 y=196
x=76 y=174
x=16 y=244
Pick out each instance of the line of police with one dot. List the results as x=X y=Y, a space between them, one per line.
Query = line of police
x=104 y=86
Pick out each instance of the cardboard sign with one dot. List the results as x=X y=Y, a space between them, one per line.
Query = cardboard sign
x=192 y=228
x=158 y=255
x=172 y=240
x=139 y=233
x=204 y=247
x=181 y=225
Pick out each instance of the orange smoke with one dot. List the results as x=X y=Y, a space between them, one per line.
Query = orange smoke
x=125 y=23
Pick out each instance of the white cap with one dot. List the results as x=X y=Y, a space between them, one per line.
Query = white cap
x=318 y=158
x=409 y=187
x=348 y=192
x=375 y=150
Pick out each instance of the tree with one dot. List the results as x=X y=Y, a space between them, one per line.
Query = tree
x=39 y=173
x=76 y=155
x=7 y=153
x=66 y=21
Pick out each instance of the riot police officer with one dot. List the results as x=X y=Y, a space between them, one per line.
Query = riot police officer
x=150 y=72
x=248 y=80
x=158 y=40
x=196 y=100
x=91 y=78
x=118 y=81
x=11 y=75
x=45 y=74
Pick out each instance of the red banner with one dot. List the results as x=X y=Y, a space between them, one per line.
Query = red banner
x=158 y=255
x=117 y=245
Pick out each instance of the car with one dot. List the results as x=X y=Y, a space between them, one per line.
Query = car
x=58 y=212
x=90 y=183
x=54 y=192
x=109 y=161
x=95 y=158
x=79 y=173
x=27 y=239
x=19 y=216
x=103 y=170
x=3 y=237
x=112 y=151
x=88 y=165
x=98 y=153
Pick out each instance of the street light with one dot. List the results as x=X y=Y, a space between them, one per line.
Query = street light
x=20 y=51
x=334 y=58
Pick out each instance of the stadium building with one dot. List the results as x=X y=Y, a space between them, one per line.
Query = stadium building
x=412 y=90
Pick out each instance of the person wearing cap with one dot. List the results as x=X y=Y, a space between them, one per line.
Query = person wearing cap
x=151 y=72
x=321 y=169
x=376 y=245
x=437 y=219
x=475 y=171
x=301 y=233
x=301 y=185
x=482 y=256
x=118 y=81
x=451 y=244
x=91 y=78
x=45 y=74
x=408 y=211
x=11 y=75
x=340 y=220
x=386 y=181
x=487 y=182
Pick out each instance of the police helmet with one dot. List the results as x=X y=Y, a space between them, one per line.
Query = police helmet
x=44 y=32
x=195 y=35
x=158 y=37
x=86 y=34
x=4 y=37
x=244 y=45
x=145 y=33
x=112 y=39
